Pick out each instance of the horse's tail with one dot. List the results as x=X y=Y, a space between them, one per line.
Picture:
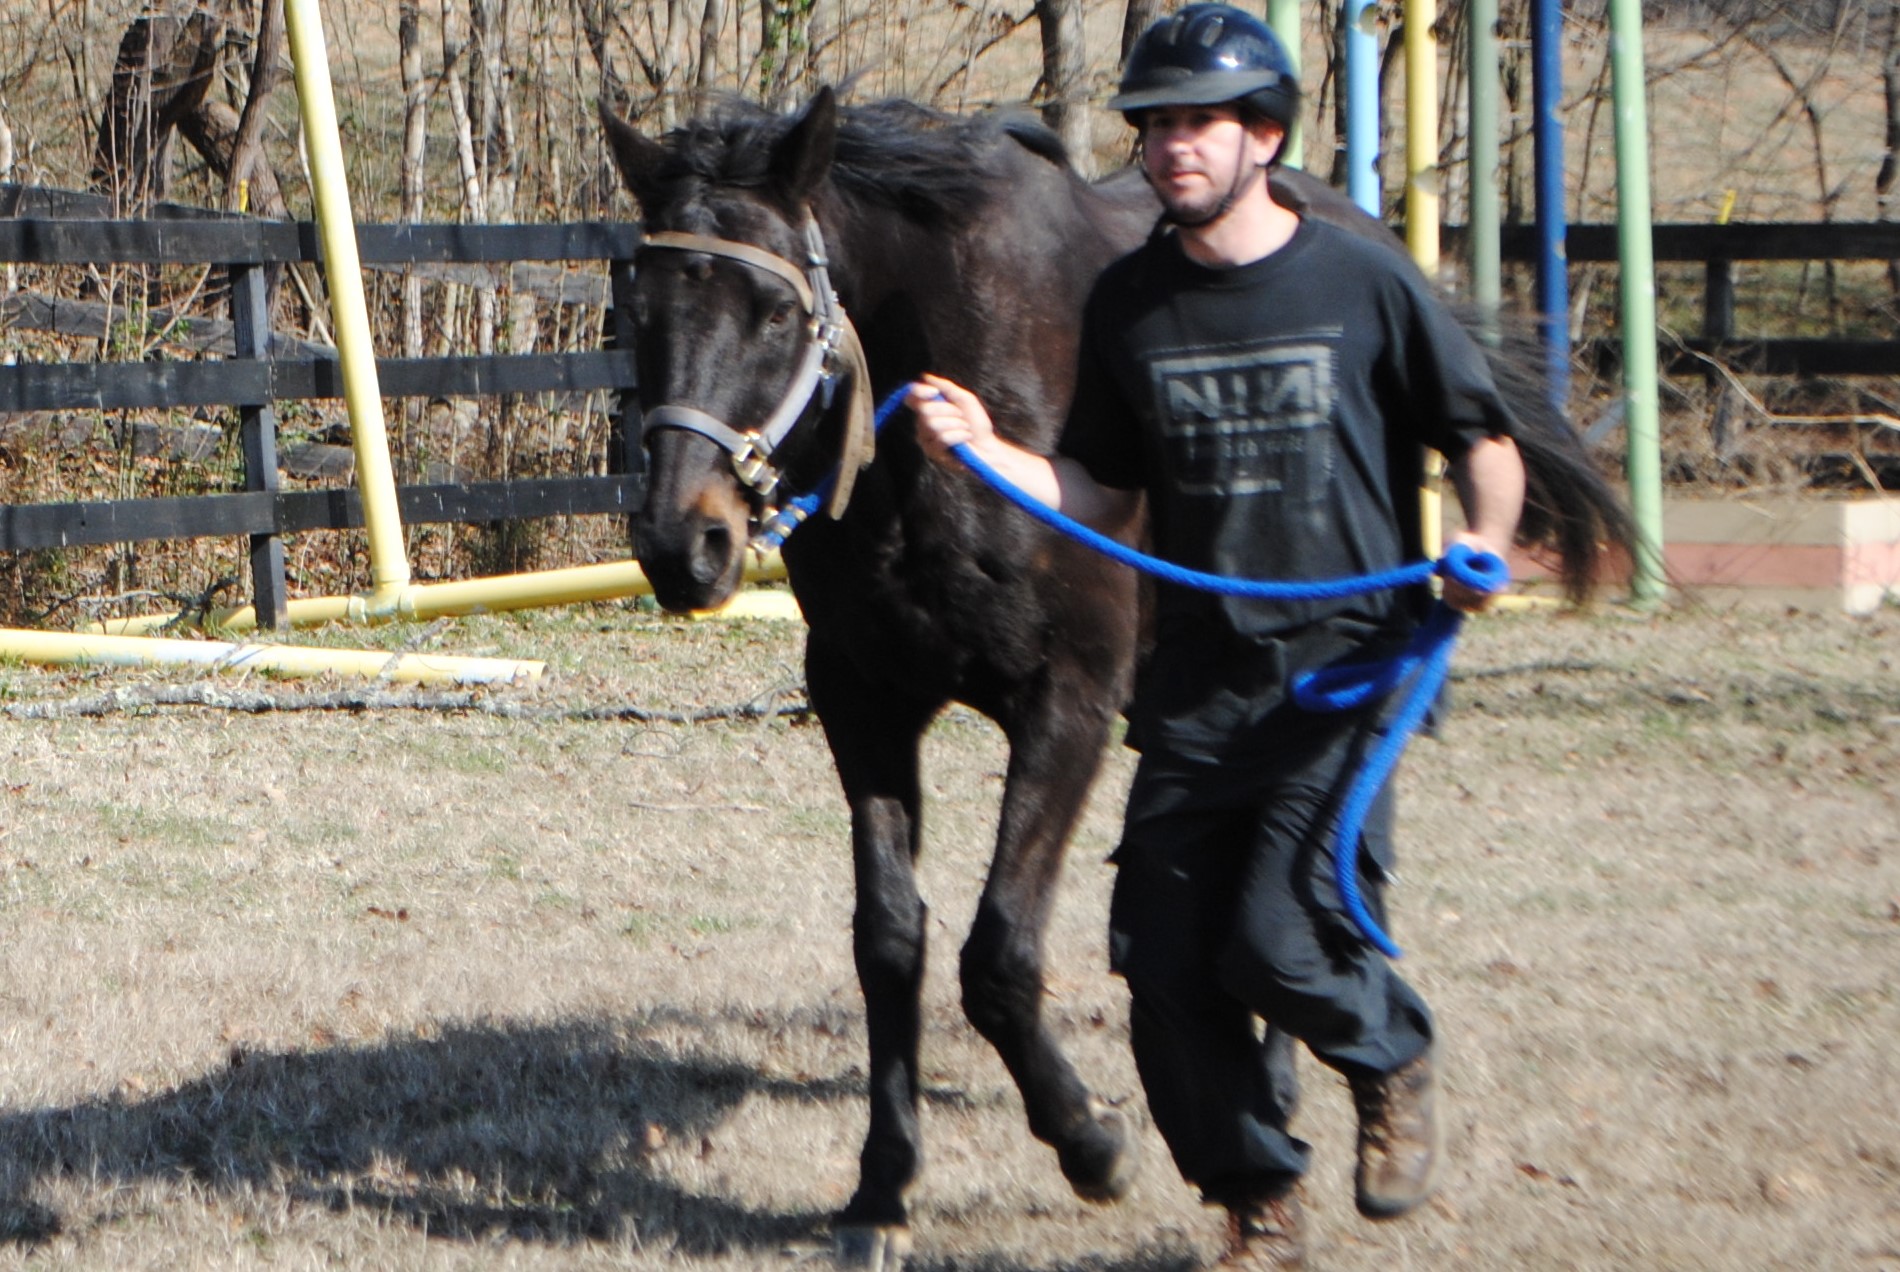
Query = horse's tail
x=1569 y=505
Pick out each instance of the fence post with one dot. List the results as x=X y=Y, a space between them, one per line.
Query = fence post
x=625 y=451
x=257 y=428
x=1718 y=328
x=1718 y=300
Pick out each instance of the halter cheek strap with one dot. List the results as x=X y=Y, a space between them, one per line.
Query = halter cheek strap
x=832 y=353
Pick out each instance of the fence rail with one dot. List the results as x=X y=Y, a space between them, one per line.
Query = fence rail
x=1719 y=248
x=262 y=369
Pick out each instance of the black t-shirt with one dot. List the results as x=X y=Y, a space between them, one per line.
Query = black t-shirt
x=1273 y=415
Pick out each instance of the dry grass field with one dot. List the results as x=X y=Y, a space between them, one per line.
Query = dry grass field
x=523 y=987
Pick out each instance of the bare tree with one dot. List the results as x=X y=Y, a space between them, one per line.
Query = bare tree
x=10 y=276
x=1884 y=184
x=415 y=119
x=1136 y=18
x=474 y=194
x=1065 y=79
x=162 y=74
x=593 y=16
x=214 y=131
x=712 y=22
x=493 y=115
x=247 y=147
x=415 y=139
x=785 y=49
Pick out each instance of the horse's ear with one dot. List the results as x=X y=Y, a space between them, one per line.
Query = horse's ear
x=636 y=155
x=802 y=156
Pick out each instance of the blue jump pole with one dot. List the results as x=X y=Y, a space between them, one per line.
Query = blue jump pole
x=1553 y=280
x=1362 y=106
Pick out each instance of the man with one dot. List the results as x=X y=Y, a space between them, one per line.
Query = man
x=1266 y=381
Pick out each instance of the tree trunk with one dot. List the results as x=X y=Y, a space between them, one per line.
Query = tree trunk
x=494 y=116
x=247 y=147
x=672 y=62
x=1065 y=81
x=784 y=37
x=1885 y=193
x=213 y=131
x=1137 y=18
x=474 y=197
x=11 y=274
x=712 y=21
x=415 y=151
x=164 y=69
x=593 y=16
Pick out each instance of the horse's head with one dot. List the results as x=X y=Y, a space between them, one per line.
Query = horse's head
x=741 y=346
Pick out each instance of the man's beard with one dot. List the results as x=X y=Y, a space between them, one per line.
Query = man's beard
x=1210 y=207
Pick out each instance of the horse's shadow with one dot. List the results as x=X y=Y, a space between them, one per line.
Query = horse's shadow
x=526 y=1131
x=499 y=1130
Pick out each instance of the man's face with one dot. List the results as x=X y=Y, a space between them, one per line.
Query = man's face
x=1198 y=156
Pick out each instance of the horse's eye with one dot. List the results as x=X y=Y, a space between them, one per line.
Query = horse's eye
x=782 y=313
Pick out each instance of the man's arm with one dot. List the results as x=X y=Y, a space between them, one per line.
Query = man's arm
x=1490 y=484
x=949 y=415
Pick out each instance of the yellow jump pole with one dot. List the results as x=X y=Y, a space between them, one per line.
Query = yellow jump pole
x=424 y=601
x=65 y=649
x=336 y=225
x=1421 y=212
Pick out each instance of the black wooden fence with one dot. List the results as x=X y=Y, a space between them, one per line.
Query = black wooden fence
x=1719 y=248
x=51 y=228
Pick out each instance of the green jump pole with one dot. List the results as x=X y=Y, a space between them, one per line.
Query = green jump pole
x=1284 y=17
x=1485 y=246
x=1636 y=253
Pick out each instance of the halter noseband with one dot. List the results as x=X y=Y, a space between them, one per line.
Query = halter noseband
x=832 y=353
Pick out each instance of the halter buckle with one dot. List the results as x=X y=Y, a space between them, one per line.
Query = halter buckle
x=753 y=464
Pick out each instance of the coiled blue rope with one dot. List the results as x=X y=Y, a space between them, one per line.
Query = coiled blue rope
x=1423 y=662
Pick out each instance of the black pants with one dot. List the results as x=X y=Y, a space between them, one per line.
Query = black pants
x=1225 y=914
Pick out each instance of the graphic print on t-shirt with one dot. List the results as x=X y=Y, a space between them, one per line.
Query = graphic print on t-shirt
x=1249 y=421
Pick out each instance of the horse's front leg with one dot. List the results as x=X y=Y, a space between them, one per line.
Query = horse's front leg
x=874 y=739
x=1056 y=743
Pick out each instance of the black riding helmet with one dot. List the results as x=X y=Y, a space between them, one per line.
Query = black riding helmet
x=1205 y=55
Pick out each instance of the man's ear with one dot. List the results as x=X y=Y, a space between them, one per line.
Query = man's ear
x=1269 y=137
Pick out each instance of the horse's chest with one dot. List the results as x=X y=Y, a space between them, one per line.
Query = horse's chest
x=946 y=603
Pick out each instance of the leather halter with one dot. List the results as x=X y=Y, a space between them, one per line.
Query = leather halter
x=833 y=354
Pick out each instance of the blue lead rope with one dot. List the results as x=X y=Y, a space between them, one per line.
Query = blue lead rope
x=1423 y=662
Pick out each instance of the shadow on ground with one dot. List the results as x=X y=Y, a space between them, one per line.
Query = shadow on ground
x=494 y=1130
x=539 y=1132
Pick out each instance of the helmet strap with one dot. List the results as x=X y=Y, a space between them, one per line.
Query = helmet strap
x=1243 y=181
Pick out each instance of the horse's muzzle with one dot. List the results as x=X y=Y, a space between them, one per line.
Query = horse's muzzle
x=694 y=562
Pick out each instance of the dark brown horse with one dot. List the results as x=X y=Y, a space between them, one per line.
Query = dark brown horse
x=964 y=247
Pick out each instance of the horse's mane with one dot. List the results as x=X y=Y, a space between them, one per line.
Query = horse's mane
x=935 y=168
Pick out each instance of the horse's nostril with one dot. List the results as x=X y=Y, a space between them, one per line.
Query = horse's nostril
x=715 y=552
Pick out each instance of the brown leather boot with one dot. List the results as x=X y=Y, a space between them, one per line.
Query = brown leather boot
x=1401 y=1140
x=1266 y=1235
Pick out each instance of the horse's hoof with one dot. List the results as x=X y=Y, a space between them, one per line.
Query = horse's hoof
x=871 y=1247
x=1106 y=1176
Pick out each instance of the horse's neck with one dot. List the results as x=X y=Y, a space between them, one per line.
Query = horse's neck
x=876 y=253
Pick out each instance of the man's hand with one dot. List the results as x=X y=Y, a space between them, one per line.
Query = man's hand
x=1490 y=483
x=948 y=415
x=1461 y=596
